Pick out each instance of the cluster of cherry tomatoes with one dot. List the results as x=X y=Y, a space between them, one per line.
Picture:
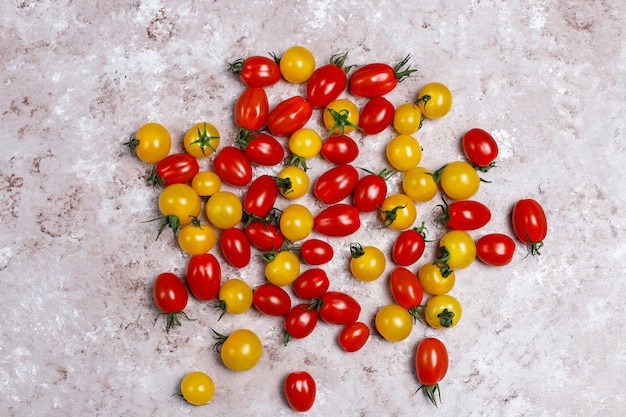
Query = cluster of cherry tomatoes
x=296 y=243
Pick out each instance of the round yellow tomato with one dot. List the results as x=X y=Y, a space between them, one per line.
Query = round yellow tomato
x=241 y=350
x=404 y=152
x=398 y=211
x=152 y=142
x=283 y=269
x=459 y=180
x=293 y=182
x=433 y=281
x=179 y=204
x=394 y=323
x=434 y=100
x=407 y=118
x=419 y=184
x=305 y=143
x=235 y=296
x=341 y=116
x=224 y=210
x=367 y=262
x=297 y=64
x=457 y=249
x=206 y=183
x=296 y=222
x=196 y=238
x=201 y=140
x=443 y=311
x=197 y=388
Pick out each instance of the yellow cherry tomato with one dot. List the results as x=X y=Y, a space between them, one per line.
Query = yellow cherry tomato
x=283 y=269
x=197 y=388
x=293 y=183
x=296 y=222
x=341 y=116
x=443 y=311
x=297 y=64
x=407 y=118
x=433 y=281
x=404 y=152
x=459 y=180
x=241 y=350
x=196 y=238
x=457 y=250
x=151 y=143
x=180 y=205
x=206 y=183
x=434 y=100
x=224 y=210
x=367 y=262
x=398 y=211
x=235 y=296
x=394 y=322
x=419 y=184
x=305 y=143
x=201 y=140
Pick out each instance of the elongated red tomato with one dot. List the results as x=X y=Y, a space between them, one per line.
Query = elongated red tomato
x=179 y=168
x=464 y=215
x=409 y=246
x=376 y=116
x=256 y=71
x=340 y=149
x=530 y=224
x=327 y=82
x=264 y=236
x=337 y=220
x=336 y=307
x=170 y=296
x=406 y=288
x=431 y=365
x=300 y=390
x=316 y=251
x=271 y=300
x=232 y=166
x=336 y=184
x=300 y=322
x=260 y=196
x=354 y=336
x=377 y=79
x=289 y=115
x=495 y=249
x=311 y=284
x=235 y=247
x=261 y=148
x=370 y=191
x=204 y=276
x=252 y=108
x=480 y=148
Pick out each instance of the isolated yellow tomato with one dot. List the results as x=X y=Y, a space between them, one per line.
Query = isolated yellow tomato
x=394 y=322
x=341 y=116
x=296 y=222
x=241 y=350
x=443 y=311
x=283 y=269
x=305 y=142
x=367 y=262
x=201 y=140
x=297 y=64
x=434 y=100
x=459 y=180
x=235 y=296
x=197 y=388
x=404 y=152
x=398 y=211
x=152 y=142
x=224 y=210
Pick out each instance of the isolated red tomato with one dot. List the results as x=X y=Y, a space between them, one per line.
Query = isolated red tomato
x=495 y=249
x=406 y=288
x=204 y=276
x=232 y=166
x=179 y=168
x=251 y=109
x=260 y=197
x=336 y=184
x=340 y=149
x=464 y=215
x=354 y=336
x=235 y=247
x=271 y=300
x=300 y=322
x=530 y=224
x=371 y=190
x=300 y=390
x=289 y=115
x=170 y=296
x=316 y=251
x=256 y=71
x=376 y=116
x=337 y=220
x=261 y=148
x=480 y=148
x=327 y=81
x=431 y=365
x=378 y=79
x=311 y=284
x=409 y=246
x=336 y=307
x=264 y=236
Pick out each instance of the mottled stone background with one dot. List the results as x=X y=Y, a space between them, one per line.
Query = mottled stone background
x=542 y=336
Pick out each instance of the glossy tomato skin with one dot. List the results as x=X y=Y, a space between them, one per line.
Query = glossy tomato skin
x=376 y=116
x=170 y=293
x=340 y=149
x=354 y=336
x=311 y=284
x=179 y=168
x=495 y=249
x=271 y=300
x=530 y=224
x=256 y=71
x=337 y=220
x=480 y=148
x=431 y=365
x=235 y=247
x=300 y=322
x=204 y=276
x=377 y=79
x=289 y=115
x=327 y=82
x=300 y=390
x=260 y=196
x=252 y=109
x=406 y=288
x=316 y=252
x=261 y=148
x=465 y=215
x=369 y=193
x=336 y=184
x=338 y=308
x=408 y=247
x=264 y=236
x=232 y=166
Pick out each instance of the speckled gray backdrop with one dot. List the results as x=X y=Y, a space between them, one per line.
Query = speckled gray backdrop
x=540 y=337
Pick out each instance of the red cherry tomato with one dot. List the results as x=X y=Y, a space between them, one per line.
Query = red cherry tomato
x=251 y=109
x=327 y=82
x=337 y=220
x=406 y=288
x=300 y=390
x=179 y=168
x=354 y=336
x=204 y=276
x=316 y=252
x=311 y=284
x=171 y=296
x=271 y=300
x=260 y=196
x=336 y=307
x=261 y=148
x=371 y=190
x=530 y=224
x=289 y=115
x=235 y=247
x=232 y=166
x=377 y=79
x=495 y=249
x=409 y=246
x=431 y=365
x=256 y=71
x=264 y=236
x=376 y=116
x=300 y=322
x=336 y=184
x=340 y=149
x=480 y=148
x=464 y=215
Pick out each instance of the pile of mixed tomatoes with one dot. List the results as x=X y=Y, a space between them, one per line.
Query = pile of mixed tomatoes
x=294 y=242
